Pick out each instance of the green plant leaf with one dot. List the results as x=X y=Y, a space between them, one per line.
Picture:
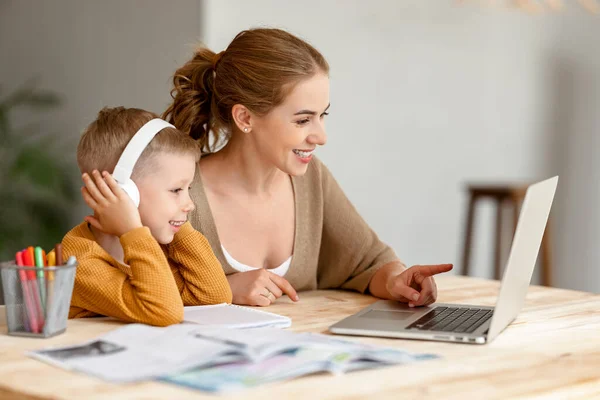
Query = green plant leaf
x=40 y=99
x=37 y=166
x=29 y=94
x=4 y=128
x=39 y=187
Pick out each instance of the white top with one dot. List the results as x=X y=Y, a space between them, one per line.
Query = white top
x=238 y=266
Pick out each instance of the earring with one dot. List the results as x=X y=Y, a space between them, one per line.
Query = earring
x=245 y=129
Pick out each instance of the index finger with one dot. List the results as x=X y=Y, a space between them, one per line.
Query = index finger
x=112 y=183
x=92 y=189
x=284 y=285
x=430 y=270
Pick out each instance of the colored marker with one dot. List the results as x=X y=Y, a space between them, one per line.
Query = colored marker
x=45 y=259
x=30 y=320
x=58 y=255
x=39 y=263
x=50 y=286
x=25 y=289
x=33 y=287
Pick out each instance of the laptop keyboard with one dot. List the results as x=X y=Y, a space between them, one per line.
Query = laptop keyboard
x=452 y=319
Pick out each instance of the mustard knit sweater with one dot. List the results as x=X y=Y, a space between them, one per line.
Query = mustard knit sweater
x=156 y=283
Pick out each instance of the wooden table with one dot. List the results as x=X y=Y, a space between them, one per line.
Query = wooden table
x=552 y=349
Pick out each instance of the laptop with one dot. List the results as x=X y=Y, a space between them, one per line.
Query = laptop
x=459 y=322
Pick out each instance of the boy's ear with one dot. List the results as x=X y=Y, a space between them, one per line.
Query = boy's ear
x=242 y=117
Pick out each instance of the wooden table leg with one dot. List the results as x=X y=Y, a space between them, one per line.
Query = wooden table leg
x=516 y=212
x=546 y=256
x=468 y=235
x=498 y=239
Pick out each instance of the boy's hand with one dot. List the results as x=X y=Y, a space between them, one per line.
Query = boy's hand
x=114 y=212
x=259 y=287
x=416 y=285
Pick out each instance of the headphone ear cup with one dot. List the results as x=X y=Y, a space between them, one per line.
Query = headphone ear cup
x=132 y=191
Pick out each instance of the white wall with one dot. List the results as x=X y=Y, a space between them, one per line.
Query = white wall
x=574 y=126
x=427 y=95
x=95 y=54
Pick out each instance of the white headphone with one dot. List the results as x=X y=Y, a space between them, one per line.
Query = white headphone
x=132 y=153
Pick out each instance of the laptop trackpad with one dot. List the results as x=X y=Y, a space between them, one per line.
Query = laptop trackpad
x=388 y=315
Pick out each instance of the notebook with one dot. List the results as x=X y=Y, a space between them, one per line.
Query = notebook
x=233 y=316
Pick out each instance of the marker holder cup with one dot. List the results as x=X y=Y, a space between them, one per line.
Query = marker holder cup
x=37 y=299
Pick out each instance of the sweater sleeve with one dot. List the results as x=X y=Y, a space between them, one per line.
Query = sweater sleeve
x=147 y=295
x=351 y=251
x=198 y=274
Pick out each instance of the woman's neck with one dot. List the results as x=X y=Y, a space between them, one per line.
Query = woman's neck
x=242 y=165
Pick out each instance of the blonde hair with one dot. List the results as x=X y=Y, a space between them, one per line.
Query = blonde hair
x=258 y=69
x=104 y=140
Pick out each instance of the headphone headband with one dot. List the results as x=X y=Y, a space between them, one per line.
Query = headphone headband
x=136 y=146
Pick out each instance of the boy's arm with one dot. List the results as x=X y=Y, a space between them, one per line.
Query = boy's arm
x=148 y=295
x=198 y=273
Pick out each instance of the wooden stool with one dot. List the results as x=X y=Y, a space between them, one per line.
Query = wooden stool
x=514 y=194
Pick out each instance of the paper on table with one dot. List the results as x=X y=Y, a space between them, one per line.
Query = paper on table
x=137 y=352
x=234 y=316
x=289 y=365
x=199 y=356
x=258 y=345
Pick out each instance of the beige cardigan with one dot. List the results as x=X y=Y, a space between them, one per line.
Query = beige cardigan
x=333 y=246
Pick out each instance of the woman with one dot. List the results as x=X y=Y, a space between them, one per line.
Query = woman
x=273 y=213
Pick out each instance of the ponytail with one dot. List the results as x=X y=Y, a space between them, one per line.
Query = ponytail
x=192 y=94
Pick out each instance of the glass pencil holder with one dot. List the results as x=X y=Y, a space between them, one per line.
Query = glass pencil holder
x=37 y=299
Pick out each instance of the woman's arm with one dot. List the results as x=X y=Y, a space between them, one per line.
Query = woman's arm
x=353 y=257
x=351 y=252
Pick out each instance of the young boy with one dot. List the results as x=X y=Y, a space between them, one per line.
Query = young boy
x=140 y=264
